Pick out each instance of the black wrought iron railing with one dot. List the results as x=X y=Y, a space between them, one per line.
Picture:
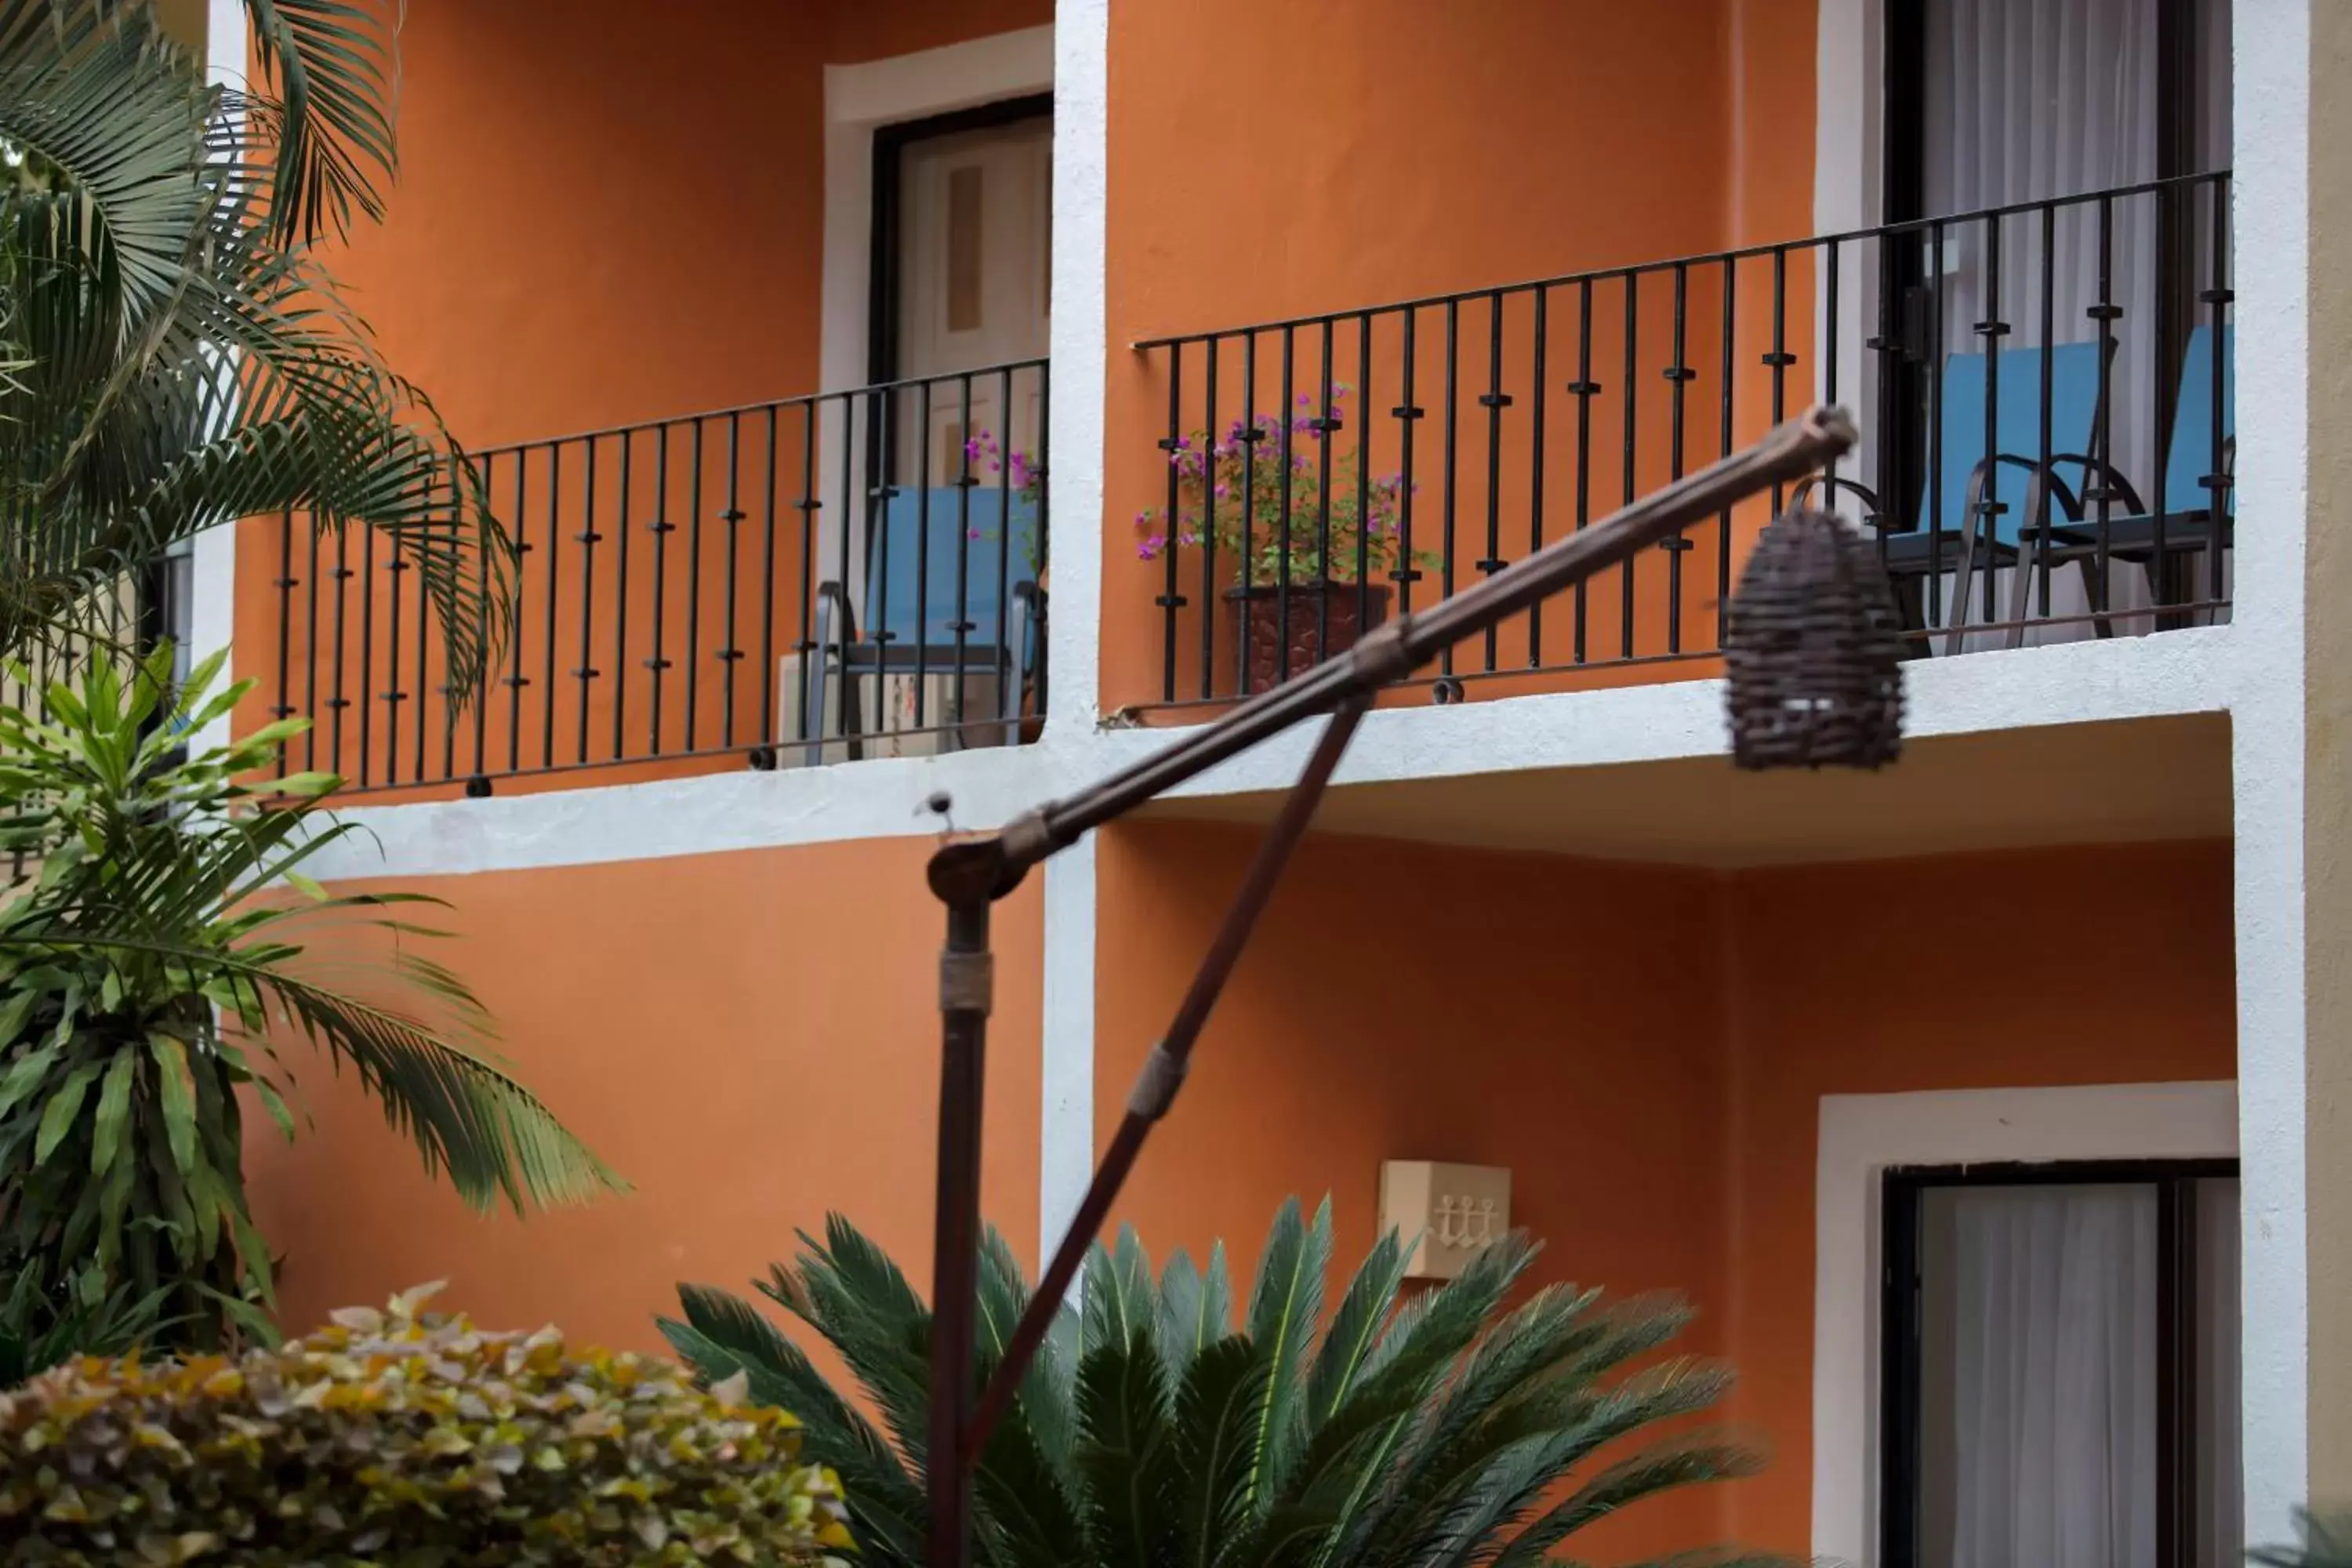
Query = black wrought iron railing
x=831 y=576
x=2045 y=390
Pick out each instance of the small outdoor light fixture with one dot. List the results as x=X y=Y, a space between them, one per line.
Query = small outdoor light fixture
x=1444 y=1213
x=1826 y=656
x=1813 y=650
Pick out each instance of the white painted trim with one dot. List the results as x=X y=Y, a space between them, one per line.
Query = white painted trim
x=1080 y=357
x=2064 y=683
x=859 y=99
x=1861 y=1136
x=1847 y=181
x=2271 y=191
x=1065 y=1155
x=1846 y=43
x=882 y=797
x=211 y=609
x=1071 y=744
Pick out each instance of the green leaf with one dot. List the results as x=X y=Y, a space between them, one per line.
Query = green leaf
x=1118 y=1299
x=14 y=1013
x=307 y=784
x=113 y=1111
x=1283 y=1305
x=176 y=1089
x=25 y=1074
x=329 y=60
x=1216 y=1430
x=1354 y=1328
x=57 y=1115
x=1123 y=1451
x=275 y=1104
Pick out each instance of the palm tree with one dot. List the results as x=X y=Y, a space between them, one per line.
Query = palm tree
x=174 y=357
x=181 y=359
x=151 y=973
x=1437 y=1430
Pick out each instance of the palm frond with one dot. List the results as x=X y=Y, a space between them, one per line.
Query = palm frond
x=1215 y=1435
x=2324 y=1541
x=185 y=360
x=1686 y=1461
x=1438 y=1433
x=1045 y=1398
x=1355 y=1328
x=1118 y=1301
x=1126 y=1457
x=96 y=103
x=1283 y=1306
x=849 y=1291
x=333 y=69
x=722 y=1335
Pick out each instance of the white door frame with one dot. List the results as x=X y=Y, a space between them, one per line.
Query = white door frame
x=1862 y=1135
x=858 y=100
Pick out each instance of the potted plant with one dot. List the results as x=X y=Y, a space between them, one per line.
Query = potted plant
x=1302 y=542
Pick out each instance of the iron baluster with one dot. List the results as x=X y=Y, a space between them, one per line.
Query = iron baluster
x=1538 y=359
x=1494 y=400
x=588 y=538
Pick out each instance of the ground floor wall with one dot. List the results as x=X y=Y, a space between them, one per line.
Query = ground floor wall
x=1645 y=1048
x=748 y=1038
x=2025 y=969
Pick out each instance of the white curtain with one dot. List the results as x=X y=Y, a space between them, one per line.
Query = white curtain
x=2052 y=1324
x=2030 y=100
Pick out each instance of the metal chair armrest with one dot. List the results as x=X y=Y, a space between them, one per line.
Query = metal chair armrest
x=2107 y=476
x=1834 y=484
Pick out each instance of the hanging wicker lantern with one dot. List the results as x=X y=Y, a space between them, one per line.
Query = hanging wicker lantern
x=1813 y=651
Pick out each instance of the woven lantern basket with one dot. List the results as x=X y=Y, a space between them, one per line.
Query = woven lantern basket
x=1813 y=651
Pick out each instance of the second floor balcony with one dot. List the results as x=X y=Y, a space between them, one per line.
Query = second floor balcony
x=2046 y=389
x=818 y=579
x=848 y=557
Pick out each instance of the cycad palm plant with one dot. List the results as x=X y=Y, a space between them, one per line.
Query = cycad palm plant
x=2325 y=1542
x=181 y=358
x=149 y=970
x=1434 y=1429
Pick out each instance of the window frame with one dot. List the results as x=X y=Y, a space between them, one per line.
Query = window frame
x=1902 y=1189
x=1902 y=413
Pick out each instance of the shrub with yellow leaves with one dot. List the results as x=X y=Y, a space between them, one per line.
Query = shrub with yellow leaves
x=399 y=1437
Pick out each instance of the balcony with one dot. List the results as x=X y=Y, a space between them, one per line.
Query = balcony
x=816 y=579
x=2046 y=391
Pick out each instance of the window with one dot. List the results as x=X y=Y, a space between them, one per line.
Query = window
x=2002 y=102
x=2061 y=1378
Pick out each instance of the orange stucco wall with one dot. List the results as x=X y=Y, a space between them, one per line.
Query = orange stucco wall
x=1642 y=1046
x=1380 y=150
x=2070 y=966
x=748 y=1038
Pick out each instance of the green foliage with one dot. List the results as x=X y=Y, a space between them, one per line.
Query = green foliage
x=45 y=1324
x=2324 y=1544
x=1439 y=1430
x=181 y=358
x=400 y=1438
x=141 y=975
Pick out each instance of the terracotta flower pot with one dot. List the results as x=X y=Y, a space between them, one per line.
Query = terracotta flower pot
x=1310 y=606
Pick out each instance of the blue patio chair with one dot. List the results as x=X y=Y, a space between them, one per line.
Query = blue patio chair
x=909 y=619
x=2196 y=486
x=1978 y=520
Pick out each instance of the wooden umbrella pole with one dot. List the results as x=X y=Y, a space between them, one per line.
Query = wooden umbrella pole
x=971 y=873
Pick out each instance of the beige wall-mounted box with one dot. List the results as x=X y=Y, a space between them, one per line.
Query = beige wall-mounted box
x=1453 y=1210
